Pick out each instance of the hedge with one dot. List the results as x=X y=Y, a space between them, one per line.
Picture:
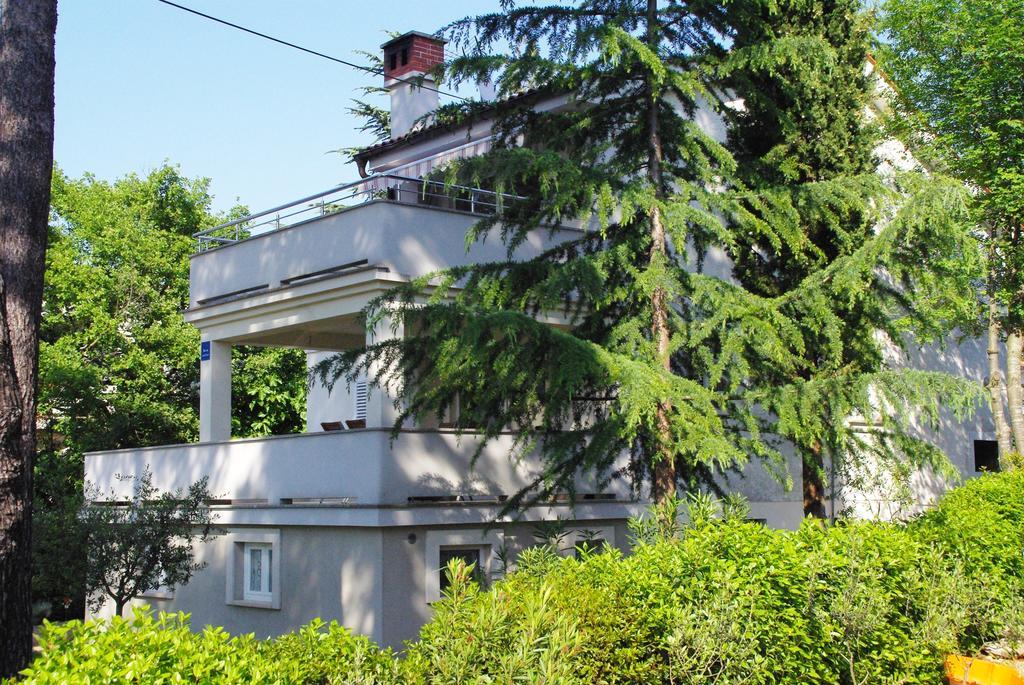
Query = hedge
x=724 y=601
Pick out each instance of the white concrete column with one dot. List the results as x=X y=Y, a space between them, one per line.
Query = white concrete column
x=214 y=391
x=380 y=408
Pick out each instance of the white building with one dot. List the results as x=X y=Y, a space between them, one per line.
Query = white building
x=340 y=522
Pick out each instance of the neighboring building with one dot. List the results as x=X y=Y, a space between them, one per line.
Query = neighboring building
x=341 y=522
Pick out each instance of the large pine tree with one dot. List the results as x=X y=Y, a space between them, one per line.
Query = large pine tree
x=27 y=29
x=691 y=374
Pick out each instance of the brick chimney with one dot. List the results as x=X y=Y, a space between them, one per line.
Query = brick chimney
x=408 y=57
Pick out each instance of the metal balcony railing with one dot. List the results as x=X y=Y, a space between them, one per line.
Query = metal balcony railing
x=389 y=187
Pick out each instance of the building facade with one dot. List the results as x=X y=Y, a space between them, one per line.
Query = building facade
x=342 y=521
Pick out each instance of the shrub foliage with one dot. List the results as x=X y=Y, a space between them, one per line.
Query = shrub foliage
x=719 y=600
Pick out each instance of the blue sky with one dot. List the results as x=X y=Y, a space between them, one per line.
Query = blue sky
x=139 y=82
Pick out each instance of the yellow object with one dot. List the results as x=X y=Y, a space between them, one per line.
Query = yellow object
x=965 y=670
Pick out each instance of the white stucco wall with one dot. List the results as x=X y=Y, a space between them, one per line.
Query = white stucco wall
x=323 y=405
x=366 y=465
x=333 y=574
x=368 y=579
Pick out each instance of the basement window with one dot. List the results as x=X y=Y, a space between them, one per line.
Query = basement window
x=582 y=542
x=470 y=556
x=474 y=546
x=986 y=455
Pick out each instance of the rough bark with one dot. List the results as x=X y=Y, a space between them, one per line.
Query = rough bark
x=813 y=485
x=1014 y=394
x=663 y=483
x=26 y=162
x=995 y=382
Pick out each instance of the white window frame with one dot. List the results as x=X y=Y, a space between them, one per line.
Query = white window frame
x=237 y=592
x=266 y=553
x=487 y=541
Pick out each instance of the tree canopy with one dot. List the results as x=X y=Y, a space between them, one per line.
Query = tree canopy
x=957 y=67
x=692 y=373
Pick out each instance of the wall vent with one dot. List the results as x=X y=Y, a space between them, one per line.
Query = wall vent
x=362 y=392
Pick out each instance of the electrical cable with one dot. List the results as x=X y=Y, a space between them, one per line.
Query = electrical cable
x=360 y=67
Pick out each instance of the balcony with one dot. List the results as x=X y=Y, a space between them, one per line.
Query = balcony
x=299 y=275
x=357 y=477
x=405 y=225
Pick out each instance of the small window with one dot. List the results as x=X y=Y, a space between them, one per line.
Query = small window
x=473 y=546
x=405 y=56
x=986 y=455
x=469 y=556
x=588 y=546
x=581 y=542
x=259 y=572
x=161 y=591
x=392 y=61
x=254 y=568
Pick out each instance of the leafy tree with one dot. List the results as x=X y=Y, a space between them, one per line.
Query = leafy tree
x=144 y=544
x=268 y=387
x=59 y=549
x=119 y=366
x=958 y=68
x=27 y=29
x=690 y=373
x=805 y=148
x=118 y=362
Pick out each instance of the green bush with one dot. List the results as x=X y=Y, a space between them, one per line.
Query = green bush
x=510 y=634
x=982 y=524
x=728 y=601
x=163 y=649
x=717 y=601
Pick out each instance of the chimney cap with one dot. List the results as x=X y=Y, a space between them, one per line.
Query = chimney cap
x=410 y=34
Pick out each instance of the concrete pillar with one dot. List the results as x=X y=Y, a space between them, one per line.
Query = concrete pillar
x=380 y=408
x=214 y=391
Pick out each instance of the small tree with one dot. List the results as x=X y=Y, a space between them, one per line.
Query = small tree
x=137 y=546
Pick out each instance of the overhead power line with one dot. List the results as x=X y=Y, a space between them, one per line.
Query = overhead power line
x=360 y=67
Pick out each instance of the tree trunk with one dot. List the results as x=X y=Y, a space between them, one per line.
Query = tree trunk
x=26 y=164
x=1014 y=344
x=663 y=483
x=813 y=486
x=995 y=382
